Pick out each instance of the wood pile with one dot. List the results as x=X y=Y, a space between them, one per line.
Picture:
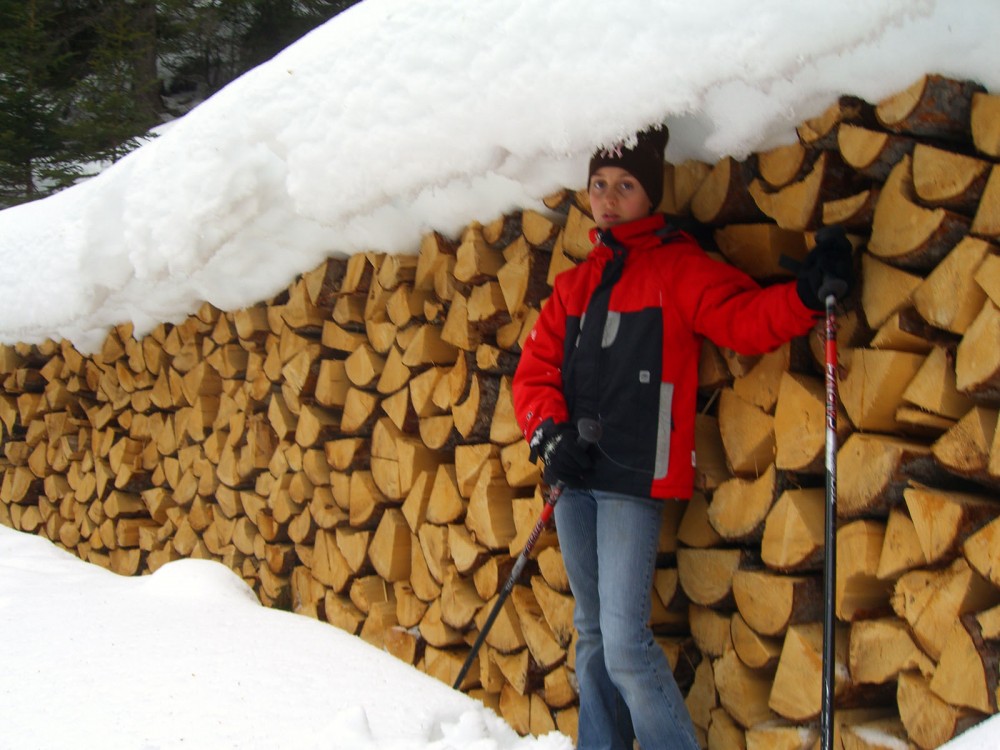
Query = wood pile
x=349 y=447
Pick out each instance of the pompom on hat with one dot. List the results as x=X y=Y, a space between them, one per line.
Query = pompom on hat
x=644 y=160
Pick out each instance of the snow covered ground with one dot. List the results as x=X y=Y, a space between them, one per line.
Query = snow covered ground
x=188 y=658
x=395 y=118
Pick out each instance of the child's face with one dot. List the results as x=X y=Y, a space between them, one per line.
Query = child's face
x=617 y=197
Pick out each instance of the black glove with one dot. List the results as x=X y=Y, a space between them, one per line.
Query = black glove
x=828 y=269
x=566 y=458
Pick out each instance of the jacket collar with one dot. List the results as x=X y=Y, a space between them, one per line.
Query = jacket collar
x=632 y=235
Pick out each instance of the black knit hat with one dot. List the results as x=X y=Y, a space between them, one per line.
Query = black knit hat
x=644 y=161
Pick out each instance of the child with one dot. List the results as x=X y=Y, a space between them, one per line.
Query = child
x=618 y=341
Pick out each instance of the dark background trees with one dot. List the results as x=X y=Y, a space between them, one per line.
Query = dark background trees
x=82 y=80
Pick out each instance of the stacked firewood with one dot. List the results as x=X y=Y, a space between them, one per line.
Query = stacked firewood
x=349 y=447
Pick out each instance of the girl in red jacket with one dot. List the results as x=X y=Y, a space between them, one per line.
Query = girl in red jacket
x=618 y=342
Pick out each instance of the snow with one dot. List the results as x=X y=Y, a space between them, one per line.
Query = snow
x=187 y=657
x=397 y=117
x=394 y=119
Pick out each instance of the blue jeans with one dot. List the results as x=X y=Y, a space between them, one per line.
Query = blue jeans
x=609 y=544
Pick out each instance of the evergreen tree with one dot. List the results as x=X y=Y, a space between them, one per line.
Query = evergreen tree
x=82 y=80
x=34 y=157
x=116 y=100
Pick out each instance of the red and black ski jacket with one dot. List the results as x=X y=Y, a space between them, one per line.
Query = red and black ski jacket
x=641 y=374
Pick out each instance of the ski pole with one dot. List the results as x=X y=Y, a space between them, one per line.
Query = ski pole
x=829 y=291
x=590 y=432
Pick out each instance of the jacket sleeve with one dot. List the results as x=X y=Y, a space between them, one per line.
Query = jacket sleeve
x=537 y=388
x=728 y=307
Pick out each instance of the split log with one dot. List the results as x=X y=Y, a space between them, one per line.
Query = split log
x=695 y=530
x=783 y=164
x=545 y=650
x=459 y=600
x=901 y=549
x=489 y=515
x=743 y=692
x=821 y=132
x=965 y=448
x=722 y=197
x=706 y=575
x=523 y=278
x=445 y=505
x=702 y=698
x=724 y=733
x=873 y=389
x=770 y=602
x=929 y=721
x=948 y=180
x=711 y=630
x=758 y=249
x=740 y=507
x=904 y=233
x=984 y=117
x=754 y=650
x=880 y=649
x=854 y=212
x=933 y=106
x=872 y=153
x=781 y=737
x=966 y=674
x=710 y=468
x=949 y=298
x=557 y=608
x=795 y=694
x=800 y=424
x=793 y=537
x=933 y=389
x=389 y=550
x=873 y=470
x=943 y=520
x=982 y=550
x=977 y=361
x=887 y=289
x=747 y=435
x=687 y=180
x=932 y=600
x=799 y=205
x=860 y=593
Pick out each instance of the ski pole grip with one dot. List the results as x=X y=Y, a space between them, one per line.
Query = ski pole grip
x=832 y=285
